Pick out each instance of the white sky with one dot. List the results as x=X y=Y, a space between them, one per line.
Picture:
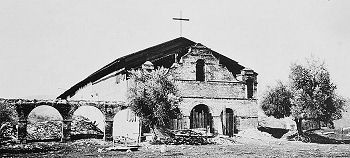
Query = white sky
x=47 y=46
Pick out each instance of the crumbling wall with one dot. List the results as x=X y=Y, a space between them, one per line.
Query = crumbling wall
x=245 y=111
x=220 y=90
x=214 y=71
x=211 y=89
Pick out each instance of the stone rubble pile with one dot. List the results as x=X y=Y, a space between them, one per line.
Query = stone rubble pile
x=8 y=133
x=30 y=148
x=44 y=130
x=52 y=130
x=186 y=137
x=82 y=125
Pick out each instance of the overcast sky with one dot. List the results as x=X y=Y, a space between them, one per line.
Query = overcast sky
x=47 y=46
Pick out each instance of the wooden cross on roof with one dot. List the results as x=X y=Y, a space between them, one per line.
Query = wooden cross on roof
x=181 y=19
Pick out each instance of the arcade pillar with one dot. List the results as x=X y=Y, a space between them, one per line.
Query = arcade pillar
x=22 y=130
x=66 y=128
x=108 y=129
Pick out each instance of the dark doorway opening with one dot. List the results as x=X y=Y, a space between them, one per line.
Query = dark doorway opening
x=201 y=117
x=229 y=125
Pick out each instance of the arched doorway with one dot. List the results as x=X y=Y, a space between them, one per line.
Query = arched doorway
x=201 y=117
x=87 y=122
x=126 y=124
x=44 y=124
x=228 y=122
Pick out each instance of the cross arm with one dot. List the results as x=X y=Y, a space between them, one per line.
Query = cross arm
x=181 y=19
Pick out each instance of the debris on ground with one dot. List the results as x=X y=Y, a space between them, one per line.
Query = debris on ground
x=82 y=125
x=44 y=130
x=192 y=132
x=257 y=137
x=89 y=142
x=8 y=133
x=246 y=149
x=223 y=140
x=188 y=137
x=256 y=134
x=188 y=140
x=31 y=148
x=123 y=148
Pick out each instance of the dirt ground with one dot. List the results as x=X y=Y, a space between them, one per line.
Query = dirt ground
x=243 y=147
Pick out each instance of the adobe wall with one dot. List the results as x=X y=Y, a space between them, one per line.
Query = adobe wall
x=186 y=68
x=110 y=88
x=211 y=89
x=220 y=90
x=244 y=110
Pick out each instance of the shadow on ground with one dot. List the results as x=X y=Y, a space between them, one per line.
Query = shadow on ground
x=320 y=139
x=315 y=137
x=275 y=132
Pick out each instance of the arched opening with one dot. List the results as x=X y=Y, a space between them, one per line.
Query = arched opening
x=201 y=117
x=200 y=72
x=126 y=124
x=228 y=122
x=44 y=124
x=88 y=122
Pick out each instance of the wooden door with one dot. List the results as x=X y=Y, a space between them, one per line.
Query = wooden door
x=200 y=117
x=229 y=127
x=229 y=124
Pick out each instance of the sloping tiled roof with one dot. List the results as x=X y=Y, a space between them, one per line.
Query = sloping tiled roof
x=159 y=55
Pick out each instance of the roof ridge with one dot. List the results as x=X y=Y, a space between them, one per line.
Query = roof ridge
x=168 y=47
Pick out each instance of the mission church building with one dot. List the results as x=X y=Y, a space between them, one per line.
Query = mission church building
x=217 y=92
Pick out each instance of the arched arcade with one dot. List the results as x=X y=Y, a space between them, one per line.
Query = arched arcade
x=66 y=109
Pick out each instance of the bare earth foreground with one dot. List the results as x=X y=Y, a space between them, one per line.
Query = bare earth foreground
x=243 y=147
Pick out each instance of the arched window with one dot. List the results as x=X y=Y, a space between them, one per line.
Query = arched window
x=200 y=75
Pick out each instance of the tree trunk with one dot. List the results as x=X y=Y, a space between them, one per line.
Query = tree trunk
x=161 y=133
x=298 y=123
x=331 y=124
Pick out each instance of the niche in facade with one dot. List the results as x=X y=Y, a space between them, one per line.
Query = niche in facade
x=249 y=88
x=200 y=75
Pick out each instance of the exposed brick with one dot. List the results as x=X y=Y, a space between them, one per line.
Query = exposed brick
x=220 y=90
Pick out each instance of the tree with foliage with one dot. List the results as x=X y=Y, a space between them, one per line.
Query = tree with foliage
x=277 y=101
x=310 y=94
x=152 y=95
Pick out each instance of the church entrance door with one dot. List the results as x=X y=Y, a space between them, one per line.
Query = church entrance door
x=201 y=117
x=229 y=124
